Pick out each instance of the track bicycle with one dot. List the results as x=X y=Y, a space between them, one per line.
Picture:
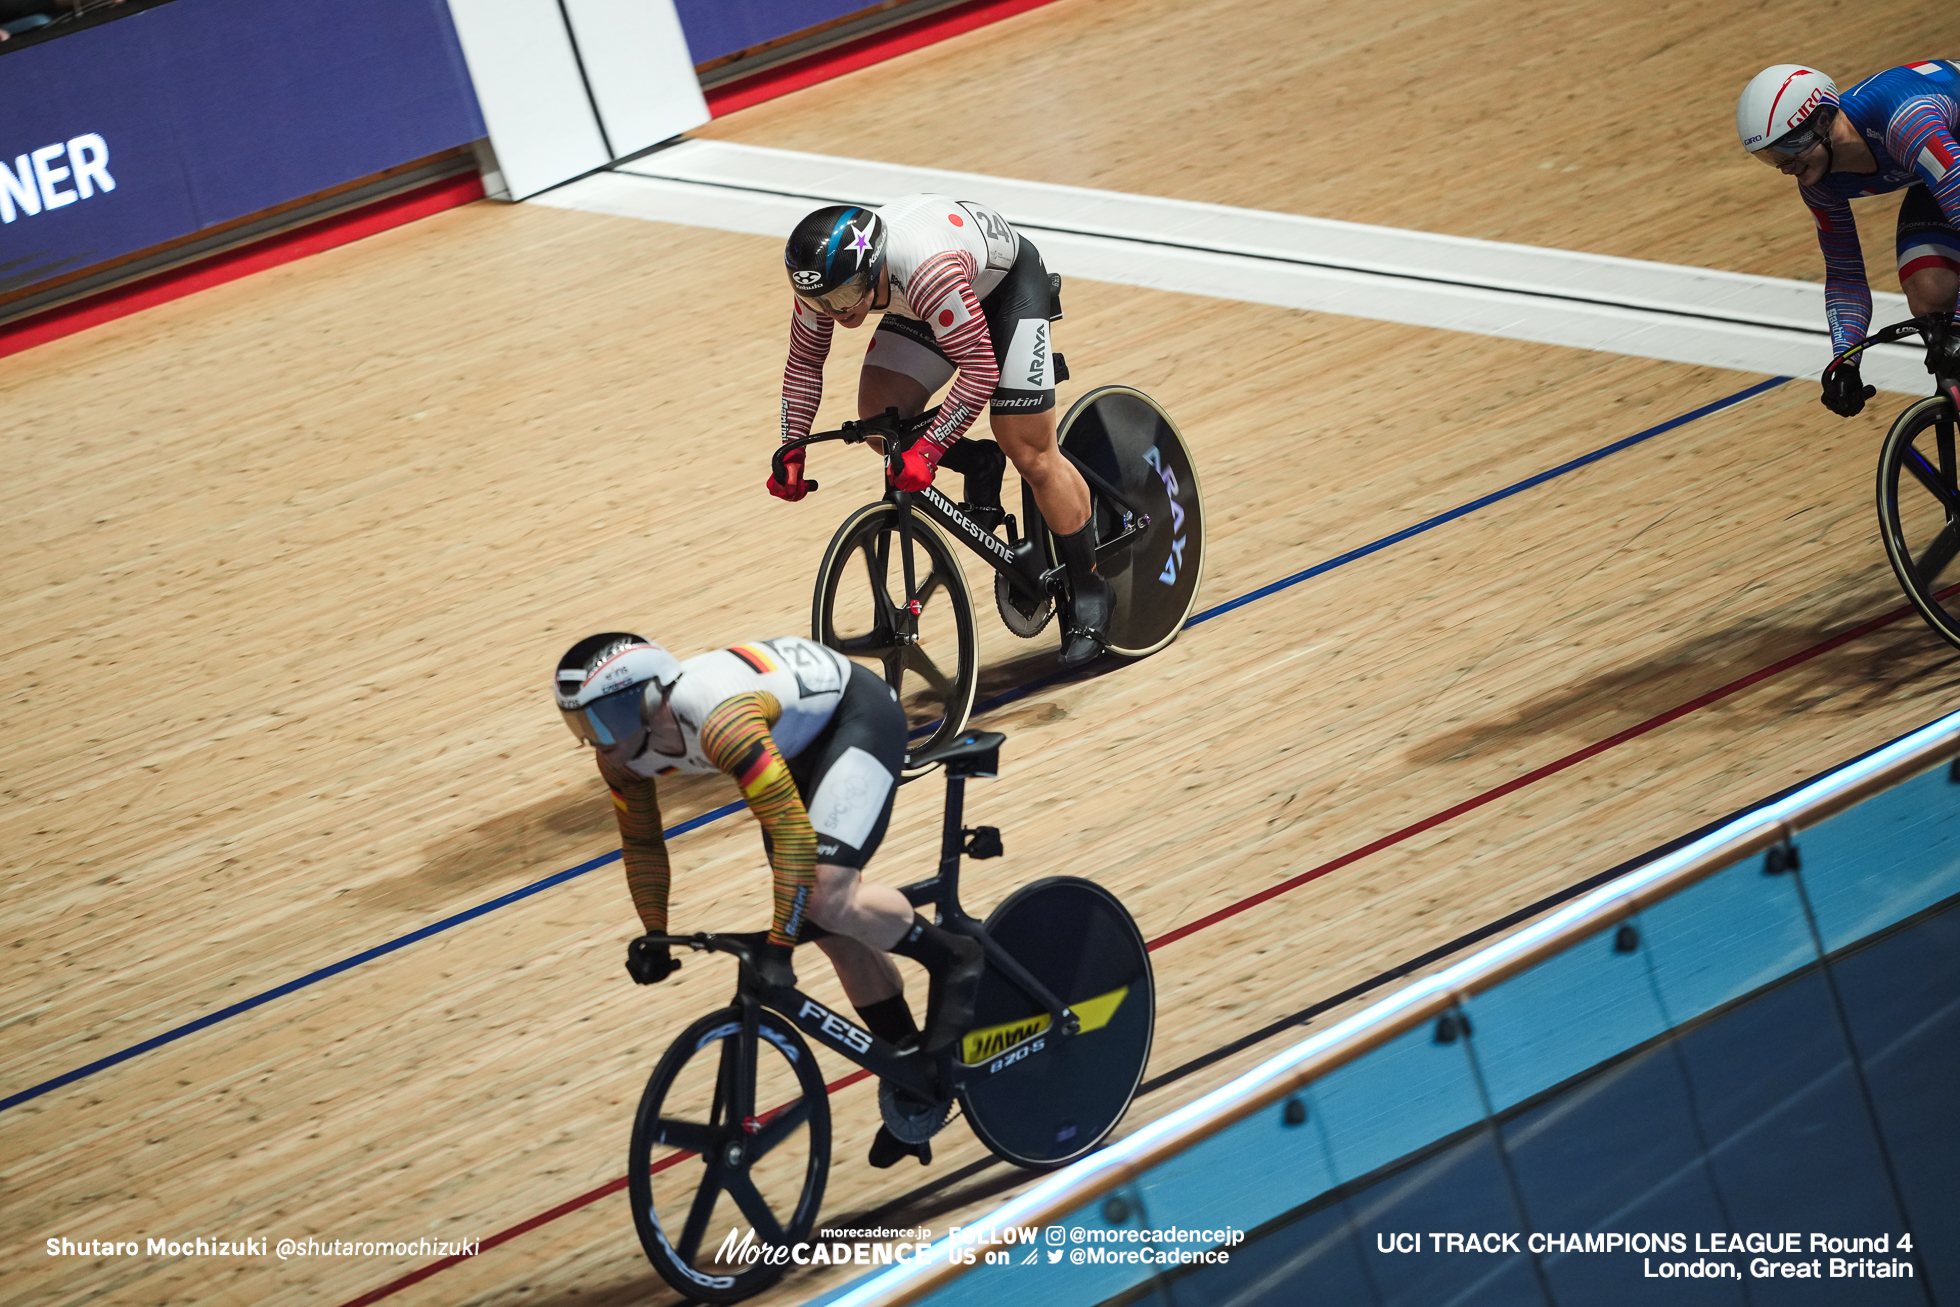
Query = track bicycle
x=916 y=621
x=731 y=1144
x=1919 y=477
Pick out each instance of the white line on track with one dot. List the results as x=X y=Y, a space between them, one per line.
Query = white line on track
x=1523 y=292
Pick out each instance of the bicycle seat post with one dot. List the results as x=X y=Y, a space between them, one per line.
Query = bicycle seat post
x=952 y=843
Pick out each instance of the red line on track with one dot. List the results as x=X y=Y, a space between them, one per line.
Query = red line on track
x=344 y=229
x=861 y=53
x=1315 y=873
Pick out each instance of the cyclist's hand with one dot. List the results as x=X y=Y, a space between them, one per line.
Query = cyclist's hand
x=792 y=489
x=772 y=964
x=916 y=465
x=648 y=963
x=1845 y=392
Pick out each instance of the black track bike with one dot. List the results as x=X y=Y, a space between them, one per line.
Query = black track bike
x=1919 y=478
x=890 y=589
x=731 y=1144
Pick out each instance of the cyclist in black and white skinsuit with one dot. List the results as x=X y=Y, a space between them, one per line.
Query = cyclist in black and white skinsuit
x=964 y=297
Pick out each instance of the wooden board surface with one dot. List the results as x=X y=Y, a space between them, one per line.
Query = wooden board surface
x=293 y=558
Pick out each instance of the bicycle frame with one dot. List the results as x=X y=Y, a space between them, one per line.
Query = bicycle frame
x=938 y=1078
x=1015 y=558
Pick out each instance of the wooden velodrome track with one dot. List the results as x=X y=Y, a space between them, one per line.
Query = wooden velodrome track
x=290 y=561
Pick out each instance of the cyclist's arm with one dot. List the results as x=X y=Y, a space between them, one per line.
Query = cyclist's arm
x=1921 y=133
x=1847 y=295
x=643 y=849
x=736 y=739
x=942 y=292
x=809 y=346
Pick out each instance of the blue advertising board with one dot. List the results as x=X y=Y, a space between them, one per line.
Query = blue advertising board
x=721 y=27
x=175 y=119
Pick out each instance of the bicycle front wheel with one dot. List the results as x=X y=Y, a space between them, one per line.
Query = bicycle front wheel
x=930 y=658
x=717 y=1181
x=1055 y=1104
x=1919 y=511
x=1128 y=440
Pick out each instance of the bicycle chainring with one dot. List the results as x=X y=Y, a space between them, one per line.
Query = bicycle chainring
x=1024 y=622
x=909 y=1120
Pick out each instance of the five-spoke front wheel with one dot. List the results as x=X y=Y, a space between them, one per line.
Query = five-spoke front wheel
x=928 y=648
x=730 y=1150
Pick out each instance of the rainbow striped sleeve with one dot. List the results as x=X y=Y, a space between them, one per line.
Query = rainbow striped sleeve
x=736 y=739
x=643 y=848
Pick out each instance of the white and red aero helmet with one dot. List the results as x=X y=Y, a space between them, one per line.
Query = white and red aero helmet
x=1780 y=101
x=601 y=683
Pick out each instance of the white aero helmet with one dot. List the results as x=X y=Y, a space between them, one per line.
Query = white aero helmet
x=1786 y=108
x=601 y=683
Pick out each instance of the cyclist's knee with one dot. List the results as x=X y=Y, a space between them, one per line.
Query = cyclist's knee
x=881 y=388
x=833 y=900
x=1028 y=440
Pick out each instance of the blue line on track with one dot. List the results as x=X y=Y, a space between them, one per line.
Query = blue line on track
x=1005 y=697
x=1475 y=504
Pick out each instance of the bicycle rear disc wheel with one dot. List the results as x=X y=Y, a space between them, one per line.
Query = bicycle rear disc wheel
x=701 y=1183
x=1057 y=1103
x=1127 y=439
x=931 y=659
x=1919 y=511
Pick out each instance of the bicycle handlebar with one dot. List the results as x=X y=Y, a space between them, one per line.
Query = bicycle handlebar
x=1928 y=326
x=888 y=426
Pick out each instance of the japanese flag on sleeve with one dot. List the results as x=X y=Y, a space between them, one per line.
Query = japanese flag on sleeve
x=949 y=315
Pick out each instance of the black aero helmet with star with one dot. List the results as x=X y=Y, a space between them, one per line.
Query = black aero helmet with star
x=835 y=255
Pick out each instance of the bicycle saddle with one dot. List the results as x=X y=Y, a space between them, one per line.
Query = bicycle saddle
x=970 y=753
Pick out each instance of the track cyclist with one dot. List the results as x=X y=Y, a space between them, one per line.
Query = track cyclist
x=961 y=291
x=1892 y=130
x=816 y=744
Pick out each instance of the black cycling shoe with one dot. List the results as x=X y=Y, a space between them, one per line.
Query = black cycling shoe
x=888 y=1148
x=1086 y=632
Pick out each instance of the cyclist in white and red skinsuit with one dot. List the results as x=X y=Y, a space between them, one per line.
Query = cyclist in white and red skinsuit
x=964 y=297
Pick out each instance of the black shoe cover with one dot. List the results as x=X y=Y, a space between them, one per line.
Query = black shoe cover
x=888 y=1148
x=1087 y=628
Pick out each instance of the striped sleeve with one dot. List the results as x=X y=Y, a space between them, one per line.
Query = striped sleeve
x=642 y=846
x=942 y=292
x=809 y=346
x=736 y=739
x=1921 y=133
x=1847 y=295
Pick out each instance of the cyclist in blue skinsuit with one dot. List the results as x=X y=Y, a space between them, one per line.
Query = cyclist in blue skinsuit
x=1892 y=130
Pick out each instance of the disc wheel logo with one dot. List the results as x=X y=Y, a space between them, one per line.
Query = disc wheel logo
x=1168 y=475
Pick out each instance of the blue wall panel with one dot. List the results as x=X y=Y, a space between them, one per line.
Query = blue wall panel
x=721 y=27
x=211 y=110
x=1901 y=998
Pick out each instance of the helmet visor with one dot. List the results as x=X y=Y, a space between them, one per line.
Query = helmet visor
x=1794 y=143
x=842 y=299
x=607 y=722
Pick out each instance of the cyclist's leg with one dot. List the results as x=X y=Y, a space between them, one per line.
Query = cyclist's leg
x=864 y=923
x=849 y=775
x=902 y=368
x=1028 y=440
x=1019 y=312
x=1929 y=254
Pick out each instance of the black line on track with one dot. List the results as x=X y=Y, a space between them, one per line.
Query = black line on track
x=1293 y=260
